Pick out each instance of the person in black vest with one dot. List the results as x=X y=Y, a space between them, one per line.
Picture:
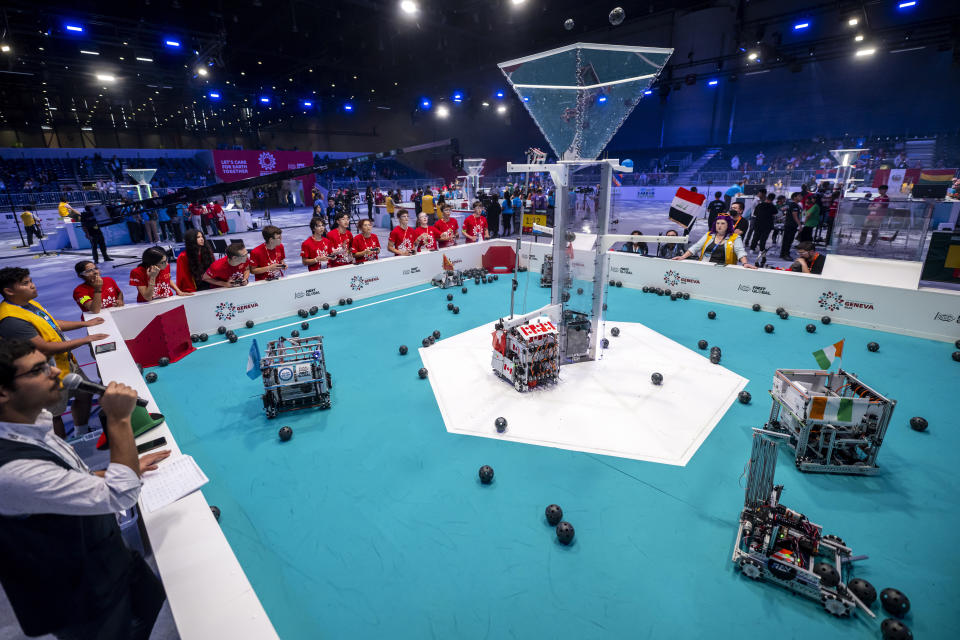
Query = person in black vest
x=91 y=228
x=764 y=215
x=715 y=208
x=63 y=563
x=492 y=205
x=790 y=224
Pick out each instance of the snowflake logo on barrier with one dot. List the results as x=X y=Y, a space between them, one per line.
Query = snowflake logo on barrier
x=671 y=278
x=830 y=300
x=267 y=161
x=356 y=283
x=225 y=311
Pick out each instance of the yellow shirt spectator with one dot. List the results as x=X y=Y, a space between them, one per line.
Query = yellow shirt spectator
x=64 y=209
x=389 y=203
x=426 y=204
x=27 y=218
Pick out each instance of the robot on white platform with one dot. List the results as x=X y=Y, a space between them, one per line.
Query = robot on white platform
x=295 y=375
x=526 y=352
x=833 y=421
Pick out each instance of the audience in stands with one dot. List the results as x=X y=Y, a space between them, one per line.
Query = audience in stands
x=96 y=292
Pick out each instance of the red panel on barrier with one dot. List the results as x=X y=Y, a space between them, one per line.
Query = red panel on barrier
x=167 y=335
x=499 y=260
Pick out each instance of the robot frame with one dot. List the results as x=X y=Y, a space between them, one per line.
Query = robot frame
x=295 y=375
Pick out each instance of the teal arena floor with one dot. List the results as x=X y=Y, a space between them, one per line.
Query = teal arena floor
x=371 y=522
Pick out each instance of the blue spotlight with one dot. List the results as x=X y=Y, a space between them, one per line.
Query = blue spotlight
x=648 y=92
x=713 y=83
x=425 y=103
x=213 y=95
x=801 y=25
x=500 y=94
x=74 y=27
x=174 y=44
x=348 y=107
x=907 y=5
x=264 y=99
x=526 y=98
x=307 y=104
x=601 y=99
x=458 y=96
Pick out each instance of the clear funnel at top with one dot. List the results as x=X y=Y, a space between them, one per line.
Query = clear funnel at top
x=846 y=157
x=579 y=95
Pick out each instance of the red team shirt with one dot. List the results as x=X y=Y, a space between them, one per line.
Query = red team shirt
x=314 y=249
x=475 y=226
x=223 y=270
x=109 y=293
x=425 y=238
x=161 y=286
x=402 y=239
x=340 y=247
x=441 y=226
x=360 y=243
x=261 y=257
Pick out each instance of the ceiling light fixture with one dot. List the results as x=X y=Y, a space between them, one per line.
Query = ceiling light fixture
x=409 y=7
x=141 y=59
x=502 y=109
x=105 y=77
x=89 y=53
x=853 y=22
x=865 y=52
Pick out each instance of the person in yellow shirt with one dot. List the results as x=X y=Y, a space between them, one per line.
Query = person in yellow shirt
x=66 y=211
x=31 y=225
x=426 y=204
x=390 y=207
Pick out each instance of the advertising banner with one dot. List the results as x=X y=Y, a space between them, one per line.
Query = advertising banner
x=237 y=165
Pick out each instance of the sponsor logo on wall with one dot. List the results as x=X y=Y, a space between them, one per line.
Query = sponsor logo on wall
x=646 y=194
x=531 y=257
x=267 y=161
x=624 y=270
x=834 y=301
x=307 y=292
x=673 y=278
x=229 y=311
x=946 y=317
x=411 y=271
x=359 y=282
x=763 y=291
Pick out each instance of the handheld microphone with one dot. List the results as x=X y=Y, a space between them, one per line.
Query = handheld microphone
x=74 y=382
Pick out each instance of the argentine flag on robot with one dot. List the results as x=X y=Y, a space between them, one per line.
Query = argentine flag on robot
x=253 y=361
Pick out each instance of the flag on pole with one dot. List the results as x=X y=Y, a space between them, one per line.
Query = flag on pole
x=686 y=206
x=827 y=355
x=253 y=361
x=617 y=180
x=831 y=409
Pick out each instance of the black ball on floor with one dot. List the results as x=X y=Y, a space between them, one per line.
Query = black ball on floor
x=957 y=344
x=579 y=291
x=956 y=356
x=784 y=315
x=333 y=312
x=463 y=290
x=673 y=296
x=163 y=361
x=343 y=301
x=619 y=284
x=565 y=533
x=449 y=297
x=486 y=474
x=496 y=277
x=194 y=338
x=215 y=510
x=304 y=325
x=431 y=339
x=667 y=292
x=303 y=313
x=825 y=319
x=204 y=337
x=779 y=310
x=756 y=307
x=615 y=332
x=863 y=590
x=249 y=324
x=811 y=328
x=285 y=433
x=449 y=306
x=500 y=424
x=294 y=334
x=422 y=373
x=645 y=289
x=660 y=292
x=151 y=377
x=221 y=329
x=873 y=347
x=918 y=424
x=768 y=328
x=349 y=300
x=314 y=310
x=232 y=337
x=714 y=358
x=456 y=310
x=554 y=514
x=604 y=343
x=686 y=296
x=744 y=397
x=894 y=602
x=893 y=629
x=425 y=342
x=476 y=281
x=613 y=283
x=326 y=305
x=436 y=334
x=711 y=314
x=702 y=344
x=403 y=349
x=656 y=378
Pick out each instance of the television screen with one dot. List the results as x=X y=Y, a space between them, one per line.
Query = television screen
x=943 y=258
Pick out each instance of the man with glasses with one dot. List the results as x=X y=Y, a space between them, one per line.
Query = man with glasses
x=232 y=270
x=21 y=318
x=96 y=292
x=63 y=564
x=269 y=260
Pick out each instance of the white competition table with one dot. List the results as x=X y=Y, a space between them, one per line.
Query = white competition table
x=209 y=594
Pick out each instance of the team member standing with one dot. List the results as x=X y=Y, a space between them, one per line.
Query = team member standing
x=21 y=318
x=738 y=222
x=315 y=250
x=492 y=205
x=388 y=203
x=193 y=262
x=66 y=211
x=219 y=217
x=91 y=229
x=31 y=225
x=423 y=235
x=196 y=215
x=341 y=241
x=95 y=293
x=790 y=224
x=764 y=215
x=366 y=245
x=268 y=260
x=232 y=270
x=63 y=563
x=446 y=228
x=400 y=242
x=811 y=218
x=475 y=225
x=506 y=207
x=426 y=204
x=715 y=208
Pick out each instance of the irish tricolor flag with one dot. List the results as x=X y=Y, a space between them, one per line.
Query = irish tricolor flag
x=831 y=409
x=827 y=355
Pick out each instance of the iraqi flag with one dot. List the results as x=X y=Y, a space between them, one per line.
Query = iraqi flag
x=253 y=361
x=686 y=206
x=827 y=355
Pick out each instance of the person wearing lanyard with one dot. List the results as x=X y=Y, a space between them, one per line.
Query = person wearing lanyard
x=268 y=260
x=63 y=564
x=719 y=246
x=21 y=318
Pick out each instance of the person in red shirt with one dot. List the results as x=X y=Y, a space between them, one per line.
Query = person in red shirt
x=219 y=217
x=233 y=270
x=96 y=293
x=366 y=246
x=268 y=260
x=400 y=242
x=152 y=277
x=316 y=249
x=446 y=228
x=196 y=215
x=193 y=262
x=424 y=236
x=475 y=225
x=340 y=241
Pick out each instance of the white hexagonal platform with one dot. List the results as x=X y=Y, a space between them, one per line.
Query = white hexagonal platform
x=608 y=406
